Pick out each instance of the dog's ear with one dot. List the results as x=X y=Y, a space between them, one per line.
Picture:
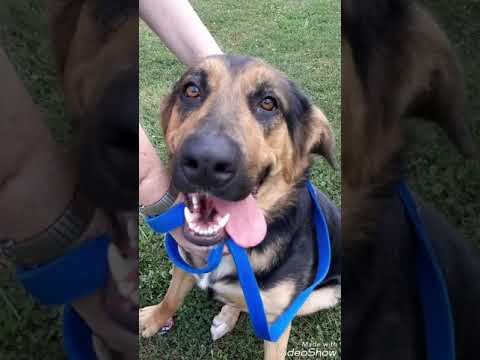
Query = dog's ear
x=458 y=133
x=319 y=138
x=449 y=115
x=311 y=131
x=445 y=106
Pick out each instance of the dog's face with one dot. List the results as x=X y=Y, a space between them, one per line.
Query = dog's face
x=96 y=50
x=235 y=127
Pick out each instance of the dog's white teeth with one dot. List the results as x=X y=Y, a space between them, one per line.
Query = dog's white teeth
x=224 y=220
x=195 y=201
x=216 y=228
x=189 y=216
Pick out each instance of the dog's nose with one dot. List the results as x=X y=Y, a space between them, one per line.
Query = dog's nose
x=210 y=160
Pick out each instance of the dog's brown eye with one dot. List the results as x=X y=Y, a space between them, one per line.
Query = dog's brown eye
x=268 y=104
x=192 y=91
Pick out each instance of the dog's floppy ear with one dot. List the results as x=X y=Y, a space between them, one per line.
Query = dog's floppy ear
x=448 y=113
x=311 y=131
x=445 y=105
x=458 y=133
x=320 y=138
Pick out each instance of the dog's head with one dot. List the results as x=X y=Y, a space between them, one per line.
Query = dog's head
x=236 y=127
x=96 y=50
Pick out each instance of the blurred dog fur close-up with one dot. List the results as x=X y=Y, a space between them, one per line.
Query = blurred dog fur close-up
x=397 y=63
x=95 y=46
x=235 y=127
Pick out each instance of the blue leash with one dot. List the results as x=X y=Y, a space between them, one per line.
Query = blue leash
x=77 y=274
x=246 y=275
x=437 y=313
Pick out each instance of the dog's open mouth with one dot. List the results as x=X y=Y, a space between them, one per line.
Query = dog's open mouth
x=208 y=220
x=204 y=224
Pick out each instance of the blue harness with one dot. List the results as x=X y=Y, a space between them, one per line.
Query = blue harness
x=246 y=275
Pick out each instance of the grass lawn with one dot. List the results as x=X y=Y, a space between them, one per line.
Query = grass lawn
x=301 y=38
x=27 y=329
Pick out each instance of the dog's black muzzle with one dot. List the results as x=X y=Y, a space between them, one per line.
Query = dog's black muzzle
x=109 y=146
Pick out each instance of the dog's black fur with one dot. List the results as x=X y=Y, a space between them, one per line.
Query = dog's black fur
x=382 y=317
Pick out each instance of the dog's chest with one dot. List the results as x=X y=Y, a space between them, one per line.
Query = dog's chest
x=219 y=280
x=226 y=268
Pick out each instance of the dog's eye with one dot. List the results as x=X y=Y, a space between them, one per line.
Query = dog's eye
x=191 y=91
x=268 y=104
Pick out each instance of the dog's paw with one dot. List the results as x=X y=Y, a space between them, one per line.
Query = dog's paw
x=149 y=323
x=224 y=322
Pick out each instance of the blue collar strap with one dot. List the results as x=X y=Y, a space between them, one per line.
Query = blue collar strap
x=167 y=221
x=73 y=276
x=246 y=275
x=439 y=330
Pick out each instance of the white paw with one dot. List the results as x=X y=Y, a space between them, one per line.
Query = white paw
x=148 y=324
x=219 y=329
x=224 y=322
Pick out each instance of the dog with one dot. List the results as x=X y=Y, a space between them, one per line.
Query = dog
x=95 y=47
x=235 y=127
x=397 y=63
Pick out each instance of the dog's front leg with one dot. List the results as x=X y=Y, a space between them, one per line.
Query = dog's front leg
x=225 y=321
x=152 y=318
x=277 y=350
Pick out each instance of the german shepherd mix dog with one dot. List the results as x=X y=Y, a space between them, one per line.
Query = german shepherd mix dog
x=236 y=127
x=95 y=44
x=397 y=63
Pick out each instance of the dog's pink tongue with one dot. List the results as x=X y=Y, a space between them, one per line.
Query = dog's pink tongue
x=247 y=225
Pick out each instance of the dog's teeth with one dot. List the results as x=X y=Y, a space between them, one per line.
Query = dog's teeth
x=216 y=228
x=196 y=228
x=193 y=225
x=188 y=215
x=224 y=220
x=195 y=201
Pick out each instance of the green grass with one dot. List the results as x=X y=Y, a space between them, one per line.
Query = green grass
x=301 y=38
x=27 y=329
